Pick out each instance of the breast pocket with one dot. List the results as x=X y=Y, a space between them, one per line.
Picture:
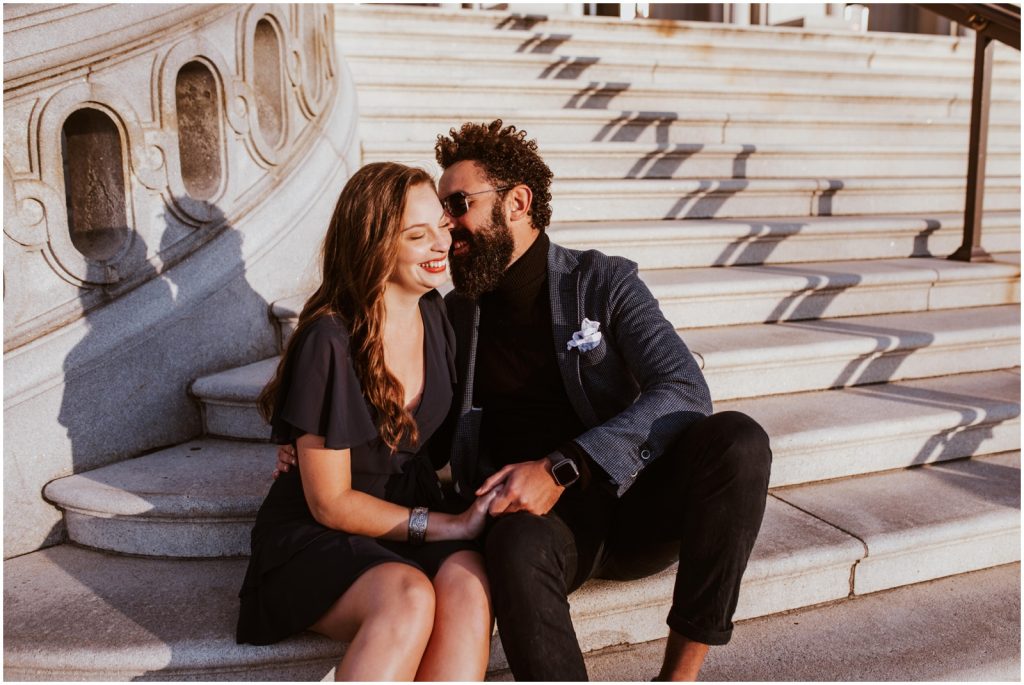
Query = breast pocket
x=595 y=355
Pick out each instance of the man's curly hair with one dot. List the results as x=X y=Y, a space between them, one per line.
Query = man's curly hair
x=507 y=158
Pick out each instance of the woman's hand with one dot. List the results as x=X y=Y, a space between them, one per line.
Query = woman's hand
x=475 y=518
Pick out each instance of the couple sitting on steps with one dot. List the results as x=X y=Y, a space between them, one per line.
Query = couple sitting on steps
x=577 y=424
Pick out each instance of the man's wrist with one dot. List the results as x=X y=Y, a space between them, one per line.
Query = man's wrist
x=563 y=469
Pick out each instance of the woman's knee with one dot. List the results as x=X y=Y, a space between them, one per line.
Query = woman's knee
x=461 y=586
x=405 y=595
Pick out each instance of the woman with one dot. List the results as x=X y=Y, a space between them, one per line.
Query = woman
x=364 y=382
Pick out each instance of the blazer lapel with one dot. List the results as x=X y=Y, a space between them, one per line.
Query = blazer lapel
x=465 y=319
x=566 y=318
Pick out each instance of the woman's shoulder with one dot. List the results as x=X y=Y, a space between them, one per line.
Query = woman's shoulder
x=321 y=339
x=326 y=328
x=433 y=304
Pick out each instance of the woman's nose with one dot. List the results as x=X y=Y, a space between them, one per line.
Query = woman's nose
x=442 y=239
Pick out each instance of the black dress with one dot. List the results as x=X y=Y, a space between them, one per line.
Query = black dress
x=299 y=568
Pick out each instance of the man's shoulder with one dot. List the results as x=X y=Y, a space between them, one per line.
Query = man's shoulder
x=593 y=262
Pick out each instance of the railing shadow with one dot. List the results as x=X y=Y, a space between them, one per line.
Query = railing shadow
x=874 y=366
x=812 y=300
x=596 y=95
x=706 y=201
x=628 y=126
x=976 y=424
x=921 y=248
x=544 y=43
x=825 y=199
x=568 y=68
x=521 y=22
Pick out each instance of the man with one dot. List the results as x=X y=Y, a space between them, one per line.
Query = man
x=581 y=405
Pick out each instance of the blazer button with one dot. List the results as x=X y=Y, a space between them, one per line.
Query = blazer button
x=634 y=474
x=645 y=454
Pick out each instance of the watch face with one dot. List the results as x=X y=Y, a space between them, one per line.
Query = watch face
x=565 y=472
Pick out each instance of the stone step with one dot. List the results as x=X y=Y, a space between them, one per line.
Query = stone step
x=229 y=411
x=704 y=161
x=863 y=429
x=861 y=535
x=693 y=41
x=616 y=95
x=898 y=129
x=747 y=293
x=692 y=298
x=772 y=359
x=75 y=613
x=903 y=634
x=676 y=243
x=228 y=400
x=198 y=499
x=639 y=199
x=371 y=58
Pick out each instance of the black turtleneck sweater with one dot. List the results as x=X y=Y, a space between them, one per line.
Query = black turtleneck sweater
x=527 y=414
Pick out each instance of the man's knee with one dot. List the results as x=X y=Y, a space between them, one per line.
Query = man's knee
x=743 y=448
x=522 y=545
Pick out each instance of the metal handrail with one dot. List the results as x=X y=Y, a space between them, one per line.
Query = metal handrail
x=990 y=23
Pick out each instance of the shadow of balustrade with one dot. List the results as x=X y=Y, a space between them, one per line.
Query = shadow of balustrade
x=629 y=126
x=544 y=43
x=568 y=68
x=596 y=95
x=521 y=22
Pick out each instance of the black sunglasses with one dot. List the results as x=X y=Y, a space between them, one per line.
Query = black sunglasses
x=457 y=203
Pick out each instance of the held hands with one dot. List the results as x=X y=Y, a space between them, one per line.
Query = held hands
x=475 y=517
x=527 y=486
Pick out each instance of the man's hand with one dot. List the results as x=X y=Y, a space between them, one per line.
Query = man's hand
x=285 y=460
x=527 y=486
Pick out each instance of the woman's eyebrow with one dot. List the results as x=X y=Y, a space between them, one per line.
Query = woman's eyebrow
x=420 y=225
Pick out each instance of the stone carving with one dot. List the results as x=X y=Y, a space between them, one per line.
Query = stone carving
x=201 y=120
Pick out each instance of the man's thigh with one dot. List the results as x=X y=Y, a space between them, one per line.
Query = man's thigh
x=643 y=536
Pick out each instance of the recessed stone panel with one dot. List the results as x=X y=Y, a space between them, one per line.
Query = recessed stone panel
x=199 y=130
x=94 y=184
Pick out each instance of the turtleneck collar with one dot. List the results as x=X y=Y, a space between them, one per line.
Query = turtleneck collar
x=525 y=274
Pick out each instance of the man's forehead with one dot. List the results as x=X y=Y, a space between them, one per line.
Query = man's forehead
x=460 y=174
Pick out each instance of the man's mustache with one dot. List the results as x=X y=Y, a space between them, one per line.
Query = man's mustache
x=462 y=234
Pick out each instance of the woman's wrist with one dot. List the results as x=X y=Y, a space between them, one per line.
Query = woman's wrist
x=448 y=527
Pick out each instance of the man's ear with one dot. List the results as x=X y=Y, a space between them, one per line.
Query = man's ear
x=519 y=200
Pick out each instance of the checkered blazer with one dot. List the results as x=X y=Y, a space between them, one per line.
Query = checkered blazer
x=635 y=392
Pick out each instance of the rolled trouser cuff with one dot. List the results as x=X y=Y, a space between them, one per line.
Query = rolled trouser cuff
x=697 y=634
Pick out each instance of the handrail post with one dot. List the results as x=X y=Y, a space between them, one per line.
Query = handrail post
x=971 y=249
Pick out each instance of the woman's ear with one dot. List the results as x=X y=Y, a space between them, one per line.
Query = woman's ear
x=519 y=200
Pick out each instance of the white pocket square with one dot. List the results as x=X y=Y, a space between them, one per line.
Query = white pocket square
x=587 y=338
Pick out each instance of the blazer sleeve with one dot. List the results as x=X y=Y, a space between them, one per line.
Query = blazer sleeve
x=672 y=391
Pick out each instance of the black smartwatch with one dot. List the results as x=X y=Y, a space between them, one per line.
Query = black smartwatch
x=564 y=470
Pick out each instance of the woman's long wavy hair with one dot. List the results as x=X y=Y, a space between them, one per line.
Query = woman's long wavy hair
x=358 y=256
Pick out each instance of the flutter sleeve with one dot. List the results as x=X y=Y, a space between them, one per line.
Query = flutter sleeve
x=320 y=393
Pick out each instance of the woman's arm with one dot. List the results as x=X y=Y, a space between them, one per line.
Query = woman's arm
x=327 y=483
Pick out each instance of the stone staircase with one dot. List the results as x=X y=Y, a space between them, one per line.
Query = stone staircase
x=789 y=196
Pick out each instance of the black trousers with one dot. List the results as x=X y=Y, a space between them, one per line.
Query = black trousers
x=701 y=503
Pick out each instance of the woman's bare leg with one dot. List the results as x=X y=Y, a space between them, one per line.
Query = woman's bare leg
x=386 y=616
x=460 y=642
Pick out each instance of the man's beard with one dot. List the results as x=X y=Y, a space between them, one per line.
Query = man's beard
x=490 y=252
